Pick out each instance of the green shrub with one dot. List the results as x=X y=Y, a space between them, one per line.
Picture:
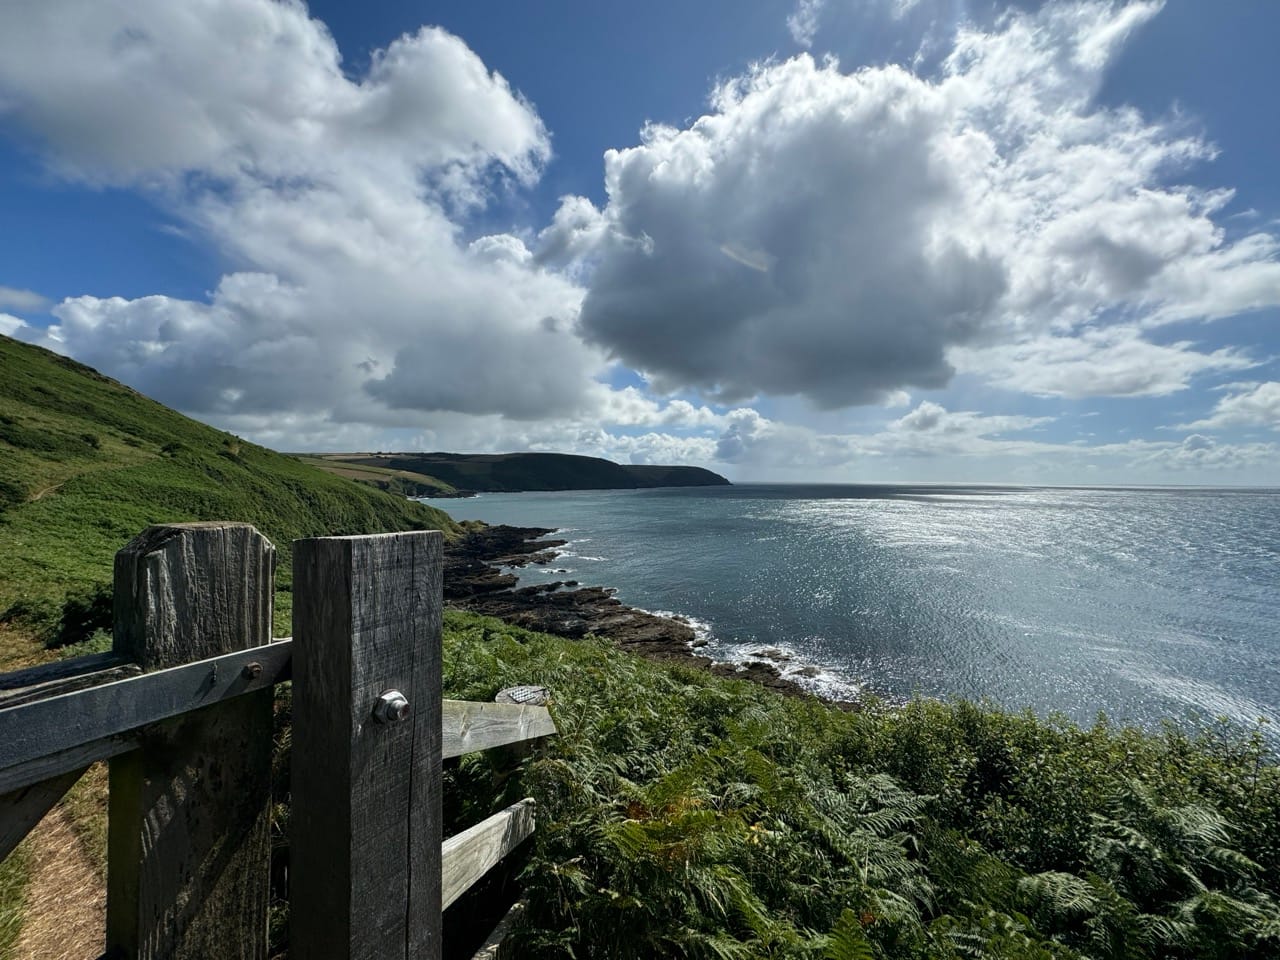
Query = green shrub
x=84 y=613
x=11 y=493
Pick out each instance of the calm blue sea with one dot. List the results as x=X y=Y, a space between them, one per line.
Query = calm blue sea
x=1143 y=603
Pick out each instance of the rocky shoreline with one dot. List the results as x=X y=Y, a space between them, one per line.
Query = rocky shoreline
x=474 y=580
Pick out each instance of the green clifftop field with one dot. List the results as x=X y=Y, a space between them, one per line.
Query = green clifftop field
x=86 y=463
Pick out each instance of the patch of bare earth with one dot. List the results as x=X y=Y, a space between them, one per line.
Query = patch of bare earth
x=41 y=494
x=65 y=912
x=18 y=649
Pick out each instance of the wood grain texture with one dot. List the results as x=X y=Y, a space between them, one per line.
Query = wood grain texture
x=50 y=765
x=468 y=727
x=365 y=826
x=63 y=676
x=21 y=810
x=496 y=946
x=60 y=670
x=469 y=855
x=54 y=724
x=188 y=591
x=188 y=837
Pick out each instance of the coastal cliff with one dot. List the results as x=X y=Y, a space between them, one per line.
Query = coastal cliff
x=459 y=474
x=477 y=579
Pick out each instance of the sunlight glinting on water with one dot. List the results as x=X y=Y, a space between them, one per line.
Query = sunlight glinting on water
x=1143 y=604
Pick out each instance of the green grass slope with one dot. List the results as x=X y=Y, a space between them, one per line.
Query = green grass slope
x=513 y=472
x=86 y=463
x=404 y=482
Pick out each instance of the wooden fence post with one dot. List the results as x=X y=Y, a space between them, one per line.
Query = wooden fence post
x=189 y=841
x=365 y=824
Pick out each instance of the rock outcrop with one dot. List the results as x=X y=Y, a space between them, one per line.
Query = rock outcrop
x=475 y=580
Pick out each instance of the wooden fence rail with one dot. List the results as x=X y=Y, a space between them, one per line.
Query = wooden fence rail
x=182 y=708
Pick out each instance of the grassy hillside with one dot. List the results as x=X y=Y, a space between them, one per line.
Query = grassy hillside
x=404 y=482
x=511 y=472
x=86 y=463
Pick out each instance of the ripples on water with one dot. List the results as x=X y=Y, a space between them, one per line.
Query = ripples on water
x=1141 y=603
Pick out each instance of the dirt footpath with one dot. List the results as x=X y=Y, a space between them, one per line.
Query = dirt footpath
x=66 y=905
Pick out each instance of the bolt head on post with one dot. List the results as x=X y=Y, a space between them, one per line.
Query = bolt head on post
x=392 y=707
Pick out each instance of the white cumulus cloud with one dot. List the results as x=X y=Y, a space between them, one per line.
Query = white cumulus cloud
x=842 y=235
x=338 y=201
x=1252 y=405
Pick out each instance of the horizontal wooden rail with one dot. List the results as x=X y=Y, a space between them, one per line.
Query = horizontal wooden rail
x=51 y=736
x=467 y=726
x=21 y=810
x=63 y=676
x=469 y=855
x=470 y=726
x=56 y=764
x=491 y=949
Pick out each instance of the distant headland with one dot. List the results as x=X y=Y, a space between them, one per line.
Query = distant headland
x=465 y=474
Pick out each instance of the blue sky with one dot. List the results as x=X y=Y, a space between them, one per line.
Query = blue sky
x=814 y=239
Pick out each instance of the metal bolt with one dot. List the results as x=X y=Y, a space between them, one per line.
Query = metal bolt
x=391 y=707
x=252 y=671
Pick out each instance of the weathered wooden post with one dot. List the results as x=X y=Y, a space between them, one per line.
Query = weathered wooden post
x=365 y=827
x=189 y=842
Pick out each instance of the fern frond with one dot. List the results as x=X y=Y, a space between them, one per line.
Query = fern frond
x=847 y=941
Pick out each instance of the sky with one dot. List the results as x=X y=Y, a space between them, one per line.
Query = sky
x=788 y=240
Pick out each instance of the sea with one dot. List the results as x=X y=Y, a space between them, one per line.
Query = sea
x=1144 y=604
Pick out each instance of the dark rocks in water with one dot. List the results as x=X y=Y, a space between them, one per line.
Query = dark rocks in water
x=563 y=608
x=470 y=562
x=481 y=579
x=772 y=653
x=505 y=545
x=540 y=588
x=575 y=613
x=757 y=671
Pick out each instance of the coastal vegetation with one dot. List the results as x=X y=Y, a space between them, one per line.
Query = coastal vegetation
x=86 y=463
x=680 y=813
x=407 y=483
